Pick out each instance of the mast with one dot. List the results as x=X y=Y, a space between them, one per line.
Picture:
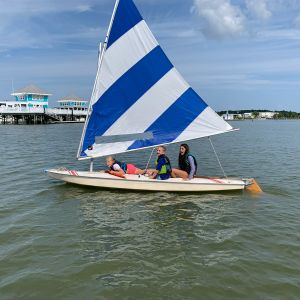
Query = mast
x=102 y=49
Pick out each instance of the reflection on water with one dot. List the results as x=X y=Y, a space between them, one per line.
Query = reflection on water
x=61 y=241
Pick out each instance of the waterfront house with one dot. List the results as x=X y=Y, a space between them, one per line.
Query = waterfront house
x=73 y=102
x=30 y=96
x=231 y=117
x=31 y=107
x=248 y=115
x=267 y=115
x=228 y=117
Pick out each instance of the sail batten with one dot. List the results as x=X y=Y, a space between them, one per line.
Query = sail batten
x=139 y=90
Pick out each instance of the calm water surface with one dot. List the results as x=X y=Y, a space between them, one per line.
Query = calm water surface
x=60 y=241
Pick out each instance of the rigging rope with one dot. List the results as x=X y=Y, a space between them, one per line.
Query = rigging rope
x=218 y=159
x=149 y=159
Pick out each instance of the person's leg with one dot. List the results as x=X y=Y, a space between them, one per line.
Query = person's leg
x=139 y=171
x=179 y=173
x=132 y=169
x=150 y=171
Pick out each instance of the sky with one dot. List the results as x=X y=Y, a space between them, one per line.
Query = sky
x=237 y=54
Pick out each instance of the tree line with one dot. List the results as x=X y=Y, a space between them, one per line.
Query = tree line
x=286 y=115
x=280 y=115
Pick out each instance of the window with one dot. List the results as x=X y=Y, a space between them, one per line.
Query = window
x=38 y=97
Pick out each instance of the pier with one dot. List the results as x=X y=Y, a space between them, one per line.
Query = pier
x=27 y=116
x=31 y=107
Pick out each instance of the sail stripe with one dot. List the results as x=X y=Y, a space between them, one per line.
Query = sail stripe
x=124 y=54
x=125 y=92
x=210 y=124
x=127 y=16
x=155 y=102
x=174 y=120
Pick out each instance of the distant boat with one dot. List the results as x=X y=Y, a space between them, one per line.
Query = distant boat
x=143 y=101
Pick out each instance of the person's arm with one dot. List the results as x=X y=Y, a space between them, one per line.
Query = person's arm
x=193 y=167
x=153 y=174
x=117 y=170
x=160 y=164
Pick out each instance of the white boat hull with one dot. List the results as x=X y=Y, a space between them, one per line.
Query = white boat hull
x=143 y=183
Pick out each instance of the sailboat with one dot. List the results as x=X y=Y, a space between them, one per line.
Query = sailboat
x=140 y=101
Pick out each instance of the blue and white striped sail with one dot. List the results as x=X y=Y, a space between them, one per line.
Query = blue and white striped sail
x=138 y=90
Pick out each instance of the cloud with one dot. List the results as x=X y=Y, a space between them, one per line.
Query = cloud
x=46 y=24
x=84 y=8
x=221 y=18
x=34 y=7
x=259 y=9
x=173 y=30
x=274 y=34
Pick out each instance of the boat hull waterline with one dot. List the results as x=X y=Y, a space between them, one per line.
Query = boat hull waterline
x=143 y=183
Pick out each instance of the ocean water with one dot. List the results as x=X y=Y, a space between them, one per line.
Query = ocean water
x=60 y=241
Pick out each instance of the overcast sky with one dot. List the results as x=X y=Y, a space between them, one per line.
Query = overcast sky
x=235 y=53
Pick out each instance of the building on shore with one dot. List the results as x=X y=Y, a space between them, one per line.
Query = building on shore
x=73 y=102
x=31 y=106
x=231 y=117
x=30 y=96
x=267 y=115
x=249 y=115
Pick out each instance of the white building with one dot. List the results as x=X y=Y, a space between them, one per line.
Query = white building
x=267 y=115
x=228 y=117
x=248 y=116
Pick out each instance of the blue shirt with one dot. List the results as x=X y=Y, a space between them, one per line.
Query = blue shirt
x=160 y=163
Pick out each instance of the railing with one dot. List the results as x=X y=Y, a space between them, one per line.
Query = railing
x=21 y=110
x=61 y=111
x=40 y=110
